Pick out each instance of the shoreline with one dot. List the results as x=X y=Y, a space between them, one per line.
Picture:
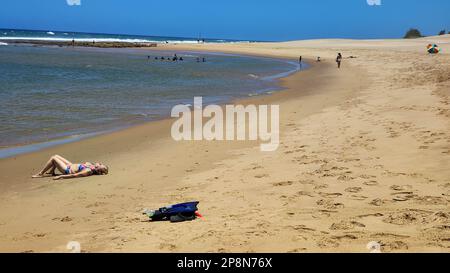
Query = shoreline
x=166 y=121
x=36 y=146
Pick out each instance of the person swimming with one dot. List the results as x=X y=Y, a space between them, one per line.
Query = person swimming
x=69 y=169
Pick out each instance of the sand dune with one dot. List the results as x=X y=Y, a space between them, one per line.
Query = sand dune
x=364 y=157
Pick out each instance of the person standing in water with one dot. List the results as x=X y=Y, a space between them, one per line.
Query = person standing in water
x=339 y=60
x=300 y=61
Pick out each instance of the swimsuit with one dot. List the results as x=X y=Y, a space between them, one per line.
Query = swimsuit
x=81 y=167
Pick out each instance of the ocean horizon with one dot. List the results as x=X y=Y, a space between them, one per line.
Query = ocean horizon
x=53 y=35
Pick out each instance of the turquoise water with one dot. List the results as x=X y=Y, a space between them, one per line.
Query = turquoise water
x=49 y=93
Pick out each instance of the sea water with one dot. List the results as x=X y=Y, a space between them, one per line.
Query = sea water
x=53 y=94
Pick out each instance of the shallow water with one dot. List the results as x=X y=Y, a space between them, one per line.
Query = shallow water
x=48 y=93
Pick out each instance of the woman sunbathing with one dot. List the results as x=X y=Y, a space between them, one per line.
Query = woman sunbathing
x=69 y=169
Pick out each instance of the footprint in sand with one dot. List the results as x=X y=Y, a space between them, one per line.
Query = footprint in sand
x=441 y=217
x=393 y=246
x=358 y=197
x=371 y=183
x=408 y=217
x=377 y=202
x=96 y=204
x=344 y=177
x=401 y=188
x=430 y=200
x=261 y=176
x=327 y=243
x=305 y=193
x=345 y=237
x=302 y=228
x=353 y=189
x=346 y=225
x=330 y=195
x=371 y=215
x=64 y=219
x=403 y=196
x=329 y=204
x=167 y=246
x=321 y=186
x=284 y=183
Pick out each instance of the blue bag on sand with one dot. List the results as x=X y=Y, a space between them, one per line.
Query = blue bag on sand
x=175 y=213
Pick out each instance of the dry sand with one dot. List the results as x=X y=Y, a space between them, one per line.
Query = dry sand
x=364 y=156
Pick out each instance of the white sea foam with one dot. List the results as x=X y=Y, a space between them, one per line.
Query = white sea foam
x=3 y=44
x=57 y=39
x=50 y=33
x=100 y=40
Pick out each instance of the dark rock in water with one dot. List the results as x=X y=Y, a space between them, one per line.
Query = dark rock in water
x=83 y=44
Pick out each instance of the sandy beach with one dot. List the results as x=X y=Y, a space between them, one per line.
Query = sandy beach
x=364 y=156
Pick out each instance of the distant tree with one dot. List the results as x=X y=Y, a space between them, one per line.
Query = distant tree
x=413 y=33
x=442 y=32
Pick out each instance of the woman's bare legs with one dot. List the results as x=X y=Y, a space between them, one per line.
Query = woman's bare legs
x=55 y=162
x=65 y=161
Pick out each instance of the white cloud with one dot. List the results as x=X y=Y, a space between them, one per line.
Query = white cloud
x=374 y=2
x=73 y=2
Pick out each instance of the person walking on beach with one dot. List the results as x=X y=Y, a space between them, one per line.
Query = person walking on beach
x=339 y=60
x=300 y=61
x=69 y=169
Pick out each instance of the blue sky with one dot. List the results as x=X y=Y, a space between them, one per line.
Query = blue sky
x=238 y=19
